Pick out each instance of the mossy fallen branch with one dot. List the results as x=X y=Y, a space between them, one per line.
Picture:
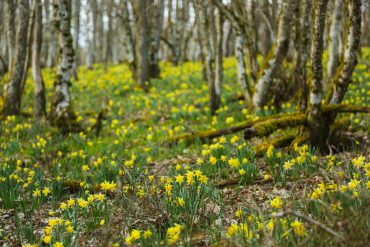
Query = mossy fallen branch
x=263 y=126
x=207 y=135
x=278 y=142
x=269 y=126
x=346 y=109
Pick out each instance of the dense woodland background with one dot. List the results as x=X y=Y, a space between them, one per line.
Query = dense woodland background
x=184 y=122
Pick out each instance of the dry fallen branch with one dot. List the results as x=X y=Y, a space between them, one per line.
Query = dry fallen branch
x=308 y=219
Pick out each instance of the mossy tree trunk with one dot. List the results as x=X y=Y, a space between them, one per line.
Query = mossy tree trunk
x=318 y=121
x=13 y=87
x=40 y=103
x=304 y=48
x=61 y=114
x=343 y=76
x=316 y=127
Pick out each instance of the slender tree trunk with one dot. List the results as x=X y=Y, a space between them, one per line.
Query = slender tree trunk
x=52 y=44
x=61 y=114
x=201 y=12
x=185 y=32
x=129 y=39
x=304 y=53
x=218 y=58
x=334 y=37
x=343 y=79
x=40 y=103
x=266 y=41
x=109 y=40
x=143 y=41
x=156 y=32
x=239 y=49
x=11 y=7
x=76 y=34
x=27 y=63
x=241 y=68
x=273 y=62
x=95 y=17
x=12 y=89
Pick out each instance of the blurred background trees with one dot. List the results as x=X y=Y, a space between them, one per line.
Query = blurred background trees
x=272 y=41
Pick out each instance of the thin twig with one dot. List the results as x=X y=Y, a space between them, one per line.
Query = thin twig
x=309 y=220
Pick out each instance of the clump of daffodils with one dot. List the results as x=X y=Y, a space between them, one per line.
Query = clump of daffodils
x=239 y=230
x=173 y=234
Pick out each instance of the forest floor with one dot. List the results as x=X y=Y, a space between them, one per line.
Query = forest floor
x=127 y=187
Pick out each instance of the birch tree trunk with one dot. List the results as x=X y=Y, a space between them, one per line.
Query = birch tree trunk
x=109 y=38
x=129 y=39
x=52 y=41
x=218 y=58
x=12 y=88
x=272 y=63
x=343 y=79
x=239 y=49
x=334 y=36
x=201 y=12
x=61 y=114
x=76 y=34
x=10 y=7
x=40 y=103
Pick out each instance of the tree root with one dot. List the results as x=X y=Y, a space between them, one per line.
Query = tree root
x=278 y=142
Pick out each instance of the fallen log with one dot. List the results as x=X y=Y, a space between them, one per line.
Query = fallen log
x=263 y=126
x=208 y=135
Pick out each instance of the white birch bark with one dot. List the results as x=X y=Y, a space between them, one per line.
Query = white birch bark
x=61 y=109
x=334 y=38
